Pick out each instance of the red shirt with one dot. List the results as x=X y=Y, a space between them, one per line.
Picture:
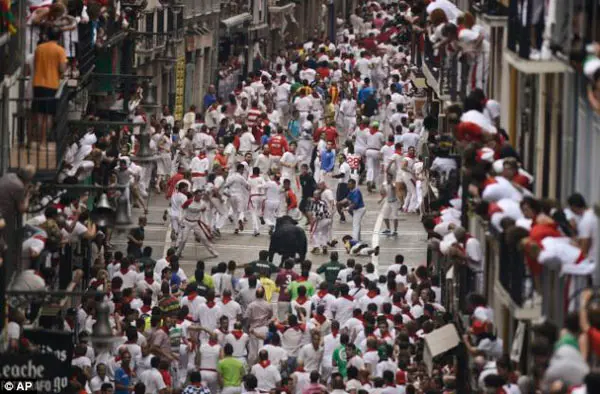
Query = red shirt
x=278 y=145
x=292 y=201
x=172 y=183
x=330 y=134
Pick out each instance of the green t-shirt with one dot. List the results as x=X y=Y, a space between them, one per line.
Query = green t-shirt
x=263 y=267
x=231 y=370
x=567 y=339
x=330 y=271
x=293 y=289
x=340 y=360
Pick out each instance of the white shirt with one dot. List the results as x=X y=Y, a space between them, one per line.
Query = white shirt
x=177 y=200
x=342 y=309
x=409 y=139
x=209 y=317
x=267 y=378
x=246 y=141
x=375 y=140
x=277 y=355
x=588 y=228
x=492 y=349
x=330 y=343
x=153 y=381
x=257 y=185
x=236 y=183
x=282 y=92
x=288 y=158
x=209 y=356
x=303 y=104
x=238 y=344
x=311 y=357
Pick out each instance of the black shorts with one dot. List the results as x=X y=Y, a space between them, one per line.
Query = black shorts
x=303 y=205
x=342 y=191
x=44 y=101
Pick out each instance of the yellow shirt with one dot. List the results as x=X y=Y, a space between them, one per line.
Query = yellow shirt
x=269 y=286
x=49 y=56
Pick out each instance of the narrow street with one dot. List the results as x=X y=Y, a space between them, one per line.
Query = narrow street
x=244 y=247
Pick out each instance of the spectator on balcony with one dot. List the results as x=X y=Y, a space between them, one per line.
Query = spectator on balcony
x=50 y=63
x=586 y=222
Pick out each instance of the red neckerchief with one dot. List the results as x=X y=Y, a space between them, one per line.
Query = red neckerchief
x=298 y=327
x=373 y=130
x=237 y=333
x=320 y=318
x=399 y=152
x=322 y=293
x=201 y=156
x=489 y=181
x=301 y=300
x=411 y=155
x=372 y=293
x=149 y=280
x=264 y=363
x=362 y=127
x=192 y=296
x=300 y=369
x=360 y=317
x=212 y=342
x=348 y=297
x=389 y=316
x=386 y=335
x=146 y=308
x=494 y=208
x=211 y=304
x=334 y=333
x=302 y=278
x=124 y=271
x=225 y=300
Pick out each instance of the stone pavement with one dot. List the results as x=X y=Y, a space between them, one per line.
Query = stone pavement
x=243 y=248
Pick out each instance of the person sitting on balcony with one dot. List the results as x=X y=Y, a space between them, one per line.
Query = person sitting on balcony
x=50 y=62
x=586 y=223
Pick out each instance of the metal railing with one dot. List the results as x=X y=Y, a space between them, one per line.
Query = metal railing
x=489 y=7
x=32 y=144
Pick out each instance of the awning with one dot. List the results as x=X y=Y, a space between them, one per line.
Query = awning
x=236 y=20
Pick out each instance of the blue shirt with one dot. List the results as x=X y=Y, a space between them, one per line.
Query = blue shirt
x=122 y=378
x=327 y=160
x=264 y=140
x=209 y=99
x=364 y=93
x=294 y=129
x=355 y=197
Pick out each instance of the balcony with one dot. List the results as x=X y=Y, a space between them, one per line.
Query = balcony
x=442 y=72
x=492 y=13
x=37 y=143
x=531 y=46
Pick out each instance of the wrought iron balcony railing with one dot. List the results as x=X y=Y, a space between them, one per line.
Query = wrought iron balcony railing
x=32 y=141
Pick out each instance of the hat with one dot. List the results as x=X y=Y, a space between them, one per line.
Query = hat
x=375 y=124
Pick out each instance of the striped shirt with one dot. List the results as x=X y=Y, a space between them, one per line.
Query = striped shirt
x=252 y=119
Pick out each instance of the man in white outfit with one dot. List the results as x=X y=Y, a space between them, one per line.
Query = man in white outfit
x=175 y=211
x=257 y=199
x=199 y=169
x=193 y=209
x=237 y=186
x=272 y=201
x=375 y=141
x=320 y=220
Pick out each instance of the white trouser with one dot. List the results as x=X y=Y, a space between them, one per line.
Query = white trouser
x=411 y=202
x=304 y=153
x=349 y=125
x=198 y=182
x=256 y=211
x=270 y=211
x=237 y=206
x=145 y=178
x=372 y=165
x=193 y=227
x=231 y=390
x=211 y=377
x=175 y=224
x=163 y=164
x=254 y=344
x=320 y=233
x=361 y=249
x=356 y=222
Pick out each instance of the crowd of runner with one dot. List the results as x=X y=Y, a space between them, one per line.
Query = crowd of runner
x=296 y=138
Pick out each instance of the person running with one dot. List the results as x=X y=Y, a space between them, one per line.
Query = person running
x=320 y=219
x=356 y=207
x=391 y=205
x=193 y=210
